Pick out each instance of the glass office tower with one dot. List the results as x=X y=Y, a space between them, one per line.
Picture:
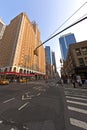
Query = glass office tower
x=48 y=54
x=48 y=60
x=54 y=61
x=64 y=42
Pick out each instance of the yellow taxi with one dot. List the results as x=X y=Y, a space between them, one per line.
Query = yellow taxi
x=4 y=81
x=23 y=80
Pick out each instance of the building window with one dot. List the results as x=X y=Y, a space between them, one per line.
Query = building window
x=10 y=69
x=84 y=50
x=81 y=62
x=14 y=69
x=86 y=60
x=78 y=52
x=5 y=70
x=24 y=71
x=20 y=71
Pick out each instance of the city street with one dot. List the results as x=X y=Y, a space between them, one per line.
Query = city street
x=43 y=65
x=40 y=105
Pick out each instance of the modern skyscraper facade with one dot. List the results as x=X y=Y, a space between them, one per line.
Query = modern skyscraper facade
x=50 y=61
x=48 y=54
x=17 y=46
x=54 y=62
x=64 y=42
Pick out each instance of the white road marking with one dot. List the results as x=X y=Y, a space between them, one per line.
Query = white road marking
x=27 y=94
x=23 y=106
x=75 y=89
x=1 y=121
x=38 y=94
x=76 y=98
x=77 y=110
x=8 y=100
x=78 y=123
x=74 y=102
x=68 y=94
x=32 y=96
x=23 y=97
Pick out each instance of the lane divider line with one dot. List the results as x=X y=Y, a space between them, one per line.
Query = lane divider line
x=8 y=100
x=23 y=106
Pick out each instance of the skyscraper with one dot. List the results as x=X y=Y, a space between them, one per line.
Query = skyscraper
x=50 y=61
x=2 y=28
x=48 y=54
x=54 y=62
x=64 y=42
x=20 y=39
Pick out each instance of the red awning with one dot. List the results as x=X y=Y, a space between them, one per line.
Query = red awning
x=15 y=73
x=20 y=74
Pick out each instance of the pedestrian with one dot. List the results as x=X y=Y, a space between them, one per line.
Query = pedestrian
x=79 y=81
x=73 y=80
x=85 y=81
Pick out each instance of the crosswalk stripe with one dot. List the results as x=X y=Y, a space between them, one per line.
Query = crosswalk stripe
x=75 y=89
x=77 y=110
x=76 y=98
x=74 y=102
x=67 y=93
x=78 y=123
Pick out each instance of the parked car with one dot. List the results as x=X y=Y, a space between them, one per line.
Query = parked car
x=4 y=81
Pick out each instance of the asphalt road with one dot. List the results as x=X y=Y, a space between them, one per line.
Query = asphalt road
x=41 y=105
x=34 y=106
x=75 y=108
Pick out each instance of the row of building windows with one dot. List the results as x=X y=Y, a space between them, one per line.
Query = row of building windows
x=81 y=61
x=81 y=51
x=14 y=70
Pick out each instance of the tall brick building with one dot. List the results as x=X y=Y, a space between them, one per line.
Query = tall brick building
x=20 y=39
x=2 y=28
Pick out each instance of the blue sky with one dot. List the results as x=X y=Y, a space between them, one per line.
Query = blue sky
x=49 y=15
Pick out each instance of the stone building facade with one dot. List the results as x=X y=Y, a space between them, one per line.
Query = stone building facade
x=76 y=61
x=17 y=46
x=2 y=28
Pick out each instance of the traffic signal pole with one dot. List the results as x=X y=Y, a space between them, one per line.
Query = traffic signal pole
x=35 y=51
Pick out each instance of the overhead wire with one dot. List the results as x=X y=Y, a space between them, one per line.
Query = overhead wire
x=67 y=19
x=52 y=36
x=62 y=31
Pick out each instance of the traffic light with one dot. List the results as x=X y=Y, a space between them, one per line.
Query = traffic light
x=36 y=52
x=61 y=61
